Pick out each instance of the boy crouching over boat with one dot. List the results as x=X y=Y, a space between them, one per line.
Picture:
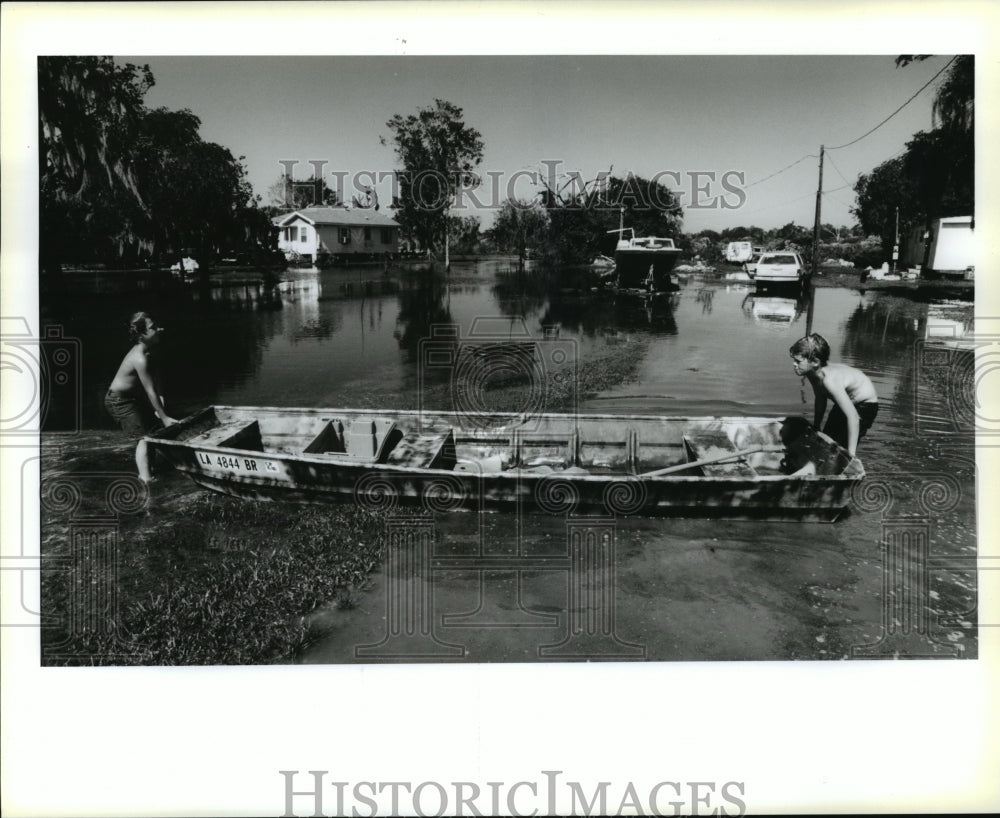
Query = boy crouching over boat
x=138 y=373
x=854 y=397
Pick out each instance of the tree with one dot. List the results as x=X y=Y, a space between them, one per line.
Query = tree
x=439 y=154
x=88 y=112
x=287 y=194
x=935 y=176
x=119 y=180
x=941 y=163
x=742 y=233
x=794 y=233
x=518 y=225
x=878 y=195
x=463 y=233
x=164 y=138
x=586 y=222
x=196 y=198
x=941 y=167
x=954 y=100
x=702 y=246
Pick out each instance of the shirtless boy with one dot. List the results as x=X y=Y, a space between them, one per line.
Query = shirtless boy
x=139 y=375
x=855 y=402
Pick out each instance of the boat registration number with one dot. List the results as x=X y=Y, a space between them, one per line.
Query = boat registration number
x=241 y=465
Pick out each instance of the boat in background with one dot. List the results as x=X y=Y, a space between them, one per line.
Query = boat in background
x=757 y=467
x=644 y=263
x=187 y=266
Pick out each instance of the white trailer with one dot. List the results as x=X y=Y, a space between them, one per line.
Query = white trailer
x=739 y=251
x=951 y=246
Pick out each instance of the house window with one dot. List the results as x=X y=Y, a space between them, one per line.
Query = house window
x=368 y=234
x=345 y=235
x=303 y=237
x=291 y=233
x=386 y=235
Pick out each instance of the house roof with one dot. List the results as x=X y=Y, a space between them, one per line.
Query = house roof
x=356 y=217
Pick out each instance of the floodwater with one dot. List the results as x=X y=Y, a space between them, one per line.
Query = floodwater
x=504 y=587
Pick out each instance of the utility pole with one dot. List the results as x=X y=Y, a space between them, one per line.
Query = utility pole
x=895 y=246
x=819 y=198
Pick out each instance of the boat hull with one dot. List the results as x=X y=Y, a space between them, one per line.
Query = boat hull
x=640 y=268
x=557 y=464
x=731 y=503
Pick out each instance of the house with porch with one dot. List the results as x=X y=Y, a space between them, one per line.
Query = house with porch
x=337 y=233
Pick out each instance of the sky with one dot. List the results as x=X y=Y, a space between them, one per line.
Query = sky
x=681 y=116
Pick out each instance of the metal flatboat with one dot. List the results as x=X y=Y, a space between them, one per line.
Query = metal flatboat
x=759 y=467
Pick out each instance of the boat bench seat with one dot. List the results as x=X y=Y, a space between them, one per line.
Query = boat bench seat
x=361 y=439
x=433 y=450
x=235 y=434
x=707 y=444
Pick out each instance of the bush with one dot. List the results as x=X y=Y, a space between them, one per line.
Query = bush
x=870 y=257
x=853 y=249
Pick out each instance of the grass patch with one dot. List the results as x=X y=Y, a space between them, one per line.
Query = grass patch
x=229 y=583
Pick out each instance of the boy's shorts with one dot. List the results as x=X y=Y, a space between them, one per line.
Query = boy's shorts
x=131 y=414
x=836 y=424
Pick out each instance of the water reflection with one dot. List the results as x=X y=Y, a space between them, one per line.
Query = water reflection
x=251 y=295
x=518 y=292
x=318 y=336
x=596 y=314
x=949 y=320
x=317 y=328
x=771 y=309
x=220 y=342
x=883 y=327
x=423 y=304
x=885 y=334
x=705 y=297
x=299 y=290
x=359 y=289
x=654 y=312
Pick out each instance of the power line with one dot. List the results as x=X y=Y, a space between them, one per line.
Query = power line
x=788 y=167
x=825 y=192
x=841 y=175
x=900 y=108
x=839 y=201
x=853 y=141
x=846 y=145
x=851 y=184
x=777 y=204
